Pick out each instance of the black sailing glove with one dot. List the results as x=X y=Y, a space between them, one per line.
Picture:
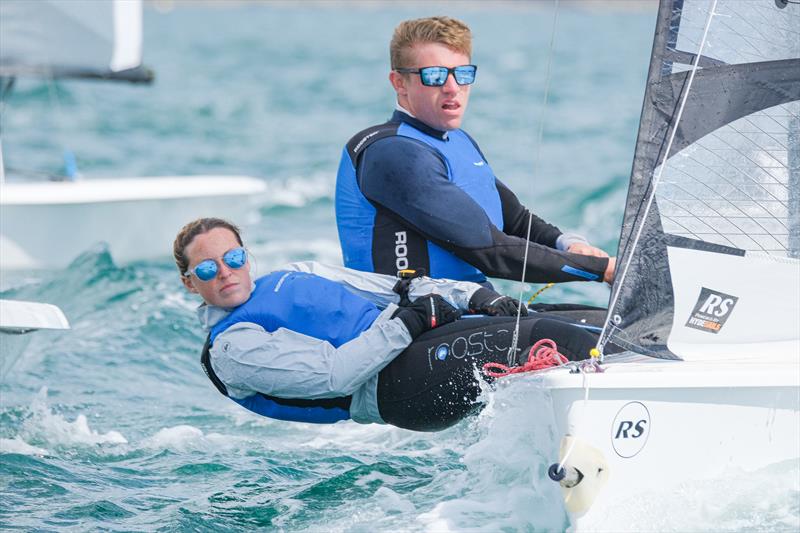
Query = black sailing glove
x=426 y=313
x=488 y=302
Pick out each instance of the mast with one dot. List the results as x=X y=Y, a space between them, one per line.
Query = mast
x=794 y=187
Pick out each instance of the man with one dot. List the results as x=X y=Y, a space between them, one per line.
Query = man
x=417 y=192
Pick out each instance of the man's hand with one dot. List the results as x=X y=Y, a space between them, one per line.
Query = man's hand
x=425 y=313
x=488 y=302
x=610 y=272
x=586 y=249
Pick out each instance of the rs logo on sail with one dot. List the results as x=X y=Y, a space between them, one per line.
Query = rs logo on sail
x=711 y=310
x=716 y=305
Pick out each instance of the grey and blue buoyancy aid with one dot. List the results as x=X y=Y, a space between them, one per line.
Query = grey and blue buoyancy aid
x=307 y=304
x=362 y=239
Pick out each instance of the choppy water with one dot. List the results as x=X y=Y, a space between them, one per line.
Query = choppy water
x=112 y=425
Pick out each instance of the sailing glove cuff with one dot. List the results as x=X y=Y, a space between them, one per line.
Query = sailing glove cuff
x=427 y=312
x=488 y=302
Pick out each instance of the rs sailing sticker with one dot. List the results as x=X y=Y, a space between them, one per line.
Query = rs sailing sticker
x=711 y=310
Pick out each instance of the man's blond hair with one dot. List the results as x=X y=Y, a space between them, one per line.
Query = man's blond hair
x=450 y=32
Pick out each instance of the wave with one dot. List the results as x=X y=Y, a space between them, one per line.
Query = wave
x=19 y=446
x=503 y=485
x=298 y=191
x=54 y=429
x=185 y=438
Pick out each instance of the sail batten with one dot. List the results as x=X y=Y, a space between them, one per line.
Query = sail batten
x=729 y=184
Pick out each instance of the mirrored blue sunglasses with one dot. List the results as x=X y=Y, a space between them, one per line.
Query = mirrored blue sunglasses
x=437 y=76
x=207 y=269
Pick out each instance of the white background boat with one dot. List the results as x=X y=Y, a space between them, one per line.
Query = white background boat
x=47 y=224
x=17 y=320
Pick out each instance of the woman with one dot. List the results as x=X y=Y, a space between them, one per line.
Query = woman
x=316 y=343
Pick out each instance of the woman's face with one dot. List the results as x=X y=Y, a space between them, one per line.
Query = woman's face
x=231 y=286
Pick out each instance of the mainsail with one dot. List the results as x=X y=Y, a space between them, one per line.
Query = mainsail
x=710 y=241
x=72 y=38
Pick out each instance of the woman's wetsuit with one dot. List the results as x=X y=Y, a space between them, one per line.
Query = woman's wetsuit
x=312 y=344
x=432 y=384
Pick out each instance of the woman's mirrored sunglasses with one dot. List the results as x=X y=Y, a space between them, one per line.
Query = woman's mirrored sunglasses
x=207 y=269
x=437 y=76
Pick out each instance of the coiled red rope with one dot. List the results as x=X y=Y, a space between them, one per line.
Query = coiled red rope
x=543 y=354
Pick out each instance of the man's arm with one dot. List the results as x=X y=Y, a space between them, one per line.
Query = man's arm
x=515 y=222
x=409 y=179
x=288 y=364
x=516 y=216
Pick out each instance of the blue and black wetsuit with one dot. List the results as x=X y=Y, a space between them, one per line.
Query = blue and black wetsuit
x=410 y=196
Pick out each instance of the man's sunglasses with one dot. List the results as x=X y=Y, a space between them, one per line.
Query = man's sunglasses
x=207 y=269
x=437 y=76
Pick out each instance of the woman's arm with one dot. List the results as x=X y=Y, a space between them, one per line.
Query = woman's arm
x=288 y=364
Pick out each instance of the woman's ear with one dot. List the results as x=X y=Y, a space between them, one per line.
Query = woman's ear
x=187 y=282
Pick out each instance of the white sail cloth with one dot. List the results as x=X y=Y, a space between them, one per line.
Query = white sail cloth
x=69 y=37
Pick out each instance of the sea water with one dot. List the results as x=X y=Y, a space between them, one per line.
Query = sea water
x=112 y=425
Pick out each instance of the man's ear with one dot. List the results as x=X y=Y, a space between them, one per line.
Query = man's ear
x=187 y=282
x=398 y=81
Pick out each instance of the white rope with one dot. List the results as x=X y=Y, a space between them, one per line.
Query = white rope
x=585 y=385
x=656 y=180
x=513 y=349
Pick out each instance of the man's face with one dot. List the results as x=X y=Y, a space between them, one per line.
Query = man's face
x=231 y=286
x=439 y=107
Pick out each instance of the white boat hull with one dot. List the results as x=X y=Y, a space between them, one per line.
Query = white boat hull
x=21 y=317
x=653 y=425
x=17 y=320
x=47 y=225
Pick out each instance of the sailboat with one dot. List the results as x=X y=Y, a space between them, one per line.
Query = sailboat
x=18 y=319
x=46 y=224
x=704 y=315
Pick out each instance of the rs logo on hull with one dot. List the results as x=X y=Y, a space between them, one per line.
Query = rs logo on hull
x=626 y=426
x=630 y=429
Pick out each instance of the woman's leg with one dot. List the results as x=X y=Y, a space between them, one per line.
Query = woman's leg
x=433 y=384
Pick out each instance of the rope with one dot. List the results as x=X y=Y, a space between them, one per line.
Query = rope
x=543 y=354
x=540 y=291
x=655 y=183
x=585 y=385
